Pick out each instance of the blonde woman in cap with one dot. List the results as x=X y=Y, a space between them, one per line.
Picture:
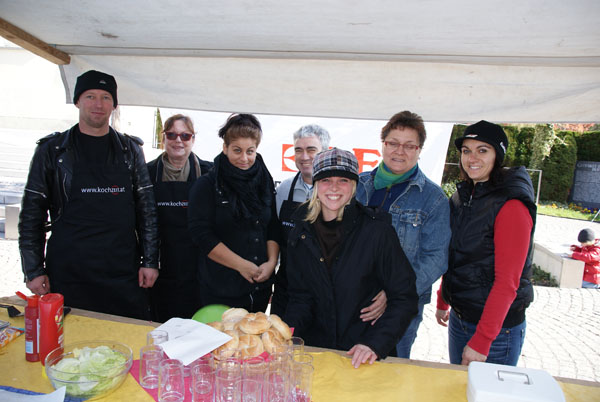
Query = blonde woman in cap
x=488 y=279
x=340 y=255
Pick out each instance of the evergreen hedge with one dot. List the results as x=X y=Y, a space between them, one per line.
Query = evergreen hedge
x=588 y=146
x=558 y=168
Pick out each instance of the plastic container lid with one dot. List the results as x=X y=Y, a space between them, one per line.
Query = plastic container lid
x=498 y=383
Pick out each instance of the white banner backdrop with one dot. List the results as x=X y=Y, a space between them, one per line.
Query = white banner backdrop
x=359 y=136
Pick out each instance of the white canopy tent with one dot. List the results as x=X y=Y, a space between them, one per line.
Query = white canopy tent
x=505 y=61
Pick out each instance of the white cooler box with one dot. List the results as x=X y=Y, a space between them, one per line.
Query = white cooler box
x=497 y=383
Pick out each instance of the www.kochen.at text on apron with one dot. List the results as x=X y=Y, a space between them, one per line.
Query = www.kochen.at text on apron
x=92 y=254
x=176 y=292
x=279 y=299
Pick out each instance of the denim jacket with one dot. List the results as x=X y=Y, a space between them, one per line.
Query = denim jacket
x=421 y=217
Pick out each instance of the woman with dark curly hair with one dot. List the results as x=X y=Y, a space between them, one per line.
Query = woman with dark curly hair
x=233 y=221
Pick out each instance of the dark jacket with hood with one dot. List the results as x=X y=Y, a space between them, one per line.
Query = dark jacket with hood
x=325 y=303
x=49 y=185
x=467 y=284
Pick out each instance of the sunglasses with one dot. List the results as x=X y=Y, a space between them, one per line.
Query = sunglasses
x=184 y=136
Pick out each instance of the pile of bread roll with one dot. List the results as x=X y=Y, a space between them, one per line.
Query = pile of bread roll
x=251 y=333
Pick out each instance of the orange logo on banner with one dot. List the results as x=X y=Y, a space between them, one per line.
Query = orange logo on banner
x=285 y=165
x=288 y=158
x=360 y=155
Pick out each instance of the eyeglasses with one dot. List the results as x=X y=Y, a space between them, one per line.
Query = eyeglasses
x=184 y=136
x=395 y=146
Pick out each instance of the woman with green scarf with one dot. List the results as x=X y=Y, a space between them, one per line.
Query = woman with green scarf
x=419 y=208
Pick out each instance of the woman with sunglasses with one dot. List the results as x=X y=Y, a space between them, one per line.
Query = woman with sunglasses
x=419 y=208
x=176 y=292
x=233 y=221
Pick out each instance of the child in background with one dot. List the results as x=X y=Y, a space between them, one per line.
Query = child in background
x=589 y=252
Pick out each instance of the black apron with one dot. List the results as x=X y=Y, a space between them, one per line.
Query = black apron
x=176 y=292
x=92 y=256
x=280 y=296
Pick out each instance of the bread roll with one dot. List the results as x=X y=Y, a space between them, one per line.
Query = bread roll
x=228 y=349
x=250 y=345
x=218 y=325
x=280 y=326
x=255 y=323
x=272 y=341
x=234 y=314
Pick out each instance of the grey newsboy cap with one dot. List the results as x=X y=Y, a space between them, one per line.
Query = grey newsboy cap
x=335 y=162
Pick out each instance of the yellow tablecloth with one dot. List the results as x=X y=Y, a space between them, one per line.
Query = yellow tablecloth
x=334 y=378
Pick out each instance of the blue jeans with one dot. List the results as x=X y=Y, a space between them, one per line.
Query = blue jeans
x=505 y=349
x=590 y=285
x=405 y=344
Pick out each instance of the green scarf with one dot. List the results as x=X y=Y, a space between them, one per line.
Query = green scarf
x=385 y=178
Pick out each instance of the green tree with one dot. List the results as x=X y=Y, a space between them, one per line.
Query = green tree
x=558 y=168
x=543 y=140
x=158 y=128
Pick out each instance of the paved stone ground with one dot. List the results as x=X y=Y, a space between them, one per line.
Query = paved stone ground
x=563 y=325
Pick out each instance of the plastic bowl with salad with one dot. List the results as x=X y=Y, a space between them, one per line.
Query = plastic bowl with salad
x=90 y=369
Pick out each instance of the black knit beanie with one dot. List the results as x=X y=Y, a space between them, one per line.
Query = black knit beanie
x=96 y=80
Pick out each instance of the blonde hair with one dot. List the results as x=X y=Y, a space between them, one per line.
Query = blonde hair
x=314 y=204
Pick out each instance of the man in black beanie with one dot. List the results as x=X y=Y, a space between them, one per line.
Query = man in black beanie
x=93 y=181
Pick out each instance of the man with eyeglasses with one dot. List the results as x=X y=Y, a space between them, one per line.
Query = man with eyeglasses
x=102 y=253
x=419 y=208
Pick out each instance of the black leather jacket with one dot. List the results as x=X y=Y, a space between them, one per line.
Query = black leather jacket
x=48 y=188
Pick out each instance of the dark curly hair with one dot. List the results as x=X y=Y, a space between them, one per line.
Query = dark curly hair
x=240 y=125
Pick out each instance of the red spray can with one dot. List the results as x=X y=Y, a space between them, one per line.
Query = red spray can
x=32 y=327
x=51 y=323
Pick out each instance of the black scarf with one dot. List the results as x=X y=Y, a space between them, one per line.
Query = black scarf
x=248 y=191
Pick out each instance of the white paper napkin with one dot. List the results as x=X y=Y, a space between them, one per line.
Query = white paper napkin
x=190 y=339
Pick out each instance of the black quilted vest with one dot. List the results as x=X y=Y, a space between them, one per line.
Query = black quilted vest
x=470 y=275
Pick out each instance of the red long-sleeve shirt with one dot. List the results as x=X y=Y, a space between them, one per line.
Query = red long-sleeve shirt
x=512 y=228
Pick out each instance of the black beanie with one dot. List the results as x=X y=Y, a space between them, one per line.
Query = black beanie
x=96 y=80
x=489 y=133
x=586 y=236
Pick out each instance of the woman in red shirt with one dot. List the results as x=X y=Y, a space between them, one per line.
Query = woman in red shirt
x=488 y=279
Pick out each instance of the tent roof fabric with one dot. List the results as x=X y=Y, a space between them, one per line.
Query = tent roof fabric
x=534 y=61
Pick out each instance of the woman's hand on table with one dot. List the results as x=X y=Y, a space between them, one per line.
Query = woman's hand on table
x=470 y=355
x=442 y=317
x=40 y=285
x=361 y=354
x=376 y=309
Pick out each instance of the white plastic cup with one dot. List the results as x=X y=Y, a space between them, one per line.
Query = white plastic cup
x=202 y=383
x=156 y=337
x=150 y=358
x=171 y=386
